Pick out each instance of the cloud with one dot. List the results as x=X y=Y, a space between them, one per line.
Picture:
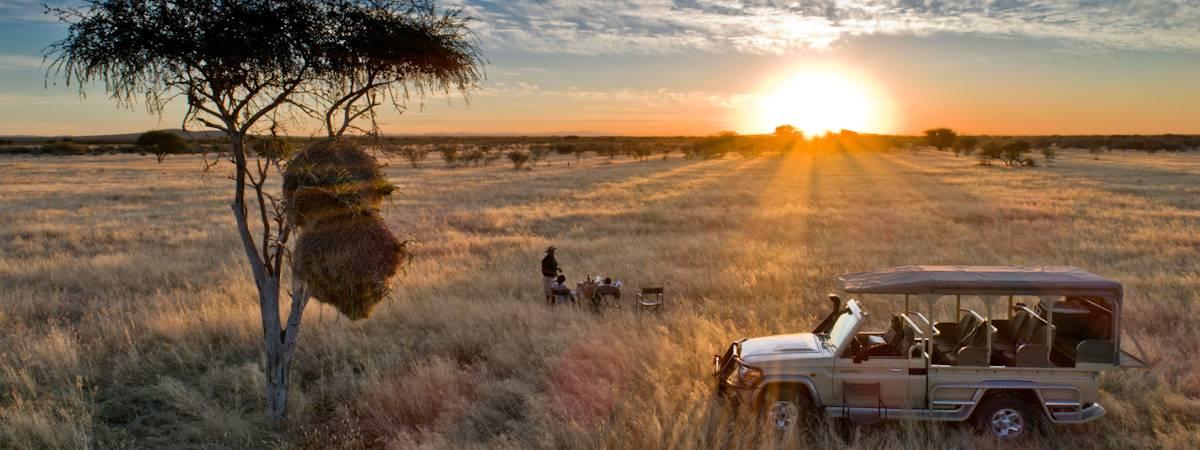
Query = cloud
x=20 y=62
x=779 y=26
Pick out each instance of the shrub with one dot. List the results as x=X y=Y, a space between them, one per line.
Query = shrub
x=664 y=150
x=64 y=148
x=271 y=147
x=413 y=153
x=473 y=156
x=640 y=151
x=491 y=155
x=578 y=150
x=518 y=158
x=965 y=145
x=990 y=151
x=1049 y=153
x=563 y=148
x=1016 y=153
x=449 y=154
x=538 y=152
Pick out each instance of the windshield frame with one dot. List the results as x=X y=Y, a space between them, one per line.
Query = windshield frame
x=850 y=320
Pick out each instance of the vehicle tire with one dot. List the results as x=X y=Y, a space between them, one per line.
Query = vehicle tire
x=1005 y=417
x=785 y=408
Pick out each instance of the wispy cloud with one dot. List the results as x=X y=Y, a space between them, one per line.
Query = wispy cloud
x=20 y=62
x=775 y=26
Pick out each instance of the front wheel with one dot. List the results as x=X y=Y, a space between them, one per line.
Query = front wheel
x=1005 y=417
x=785 y=409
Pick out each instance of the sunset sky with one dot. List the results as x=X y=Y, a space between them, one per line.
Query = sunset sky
x=661 y=67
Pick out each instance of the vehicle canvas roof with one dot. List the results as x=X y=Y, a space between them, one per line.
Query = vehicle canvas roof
x=981 y=280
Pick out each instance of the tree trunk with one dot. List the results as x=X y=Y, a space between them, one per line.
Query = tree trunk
x=279 y=343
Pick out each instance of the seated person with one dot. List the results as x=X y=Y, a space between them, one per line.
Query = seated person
x=891 y=342
x=607 y=288
x=560 y=290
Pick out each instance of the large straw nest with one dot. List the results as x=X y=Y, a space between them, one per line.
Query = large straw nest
x=346 y=261
x=332 y=178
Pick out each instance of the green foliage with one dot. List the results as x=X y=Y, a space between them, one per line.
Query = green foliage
x=272 y=147
x=940 y=138
x=162 y=143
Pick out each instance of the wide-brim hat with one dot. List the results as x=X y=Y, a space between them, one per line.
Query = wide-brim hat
x=551 y=248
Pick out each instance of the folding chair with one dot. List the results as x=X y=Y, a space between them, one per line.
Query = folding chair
x=650 y=298
x=858 y=394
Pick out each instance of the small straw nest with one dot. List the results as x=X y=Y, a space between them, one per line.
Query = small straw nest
x=332 y=178
x=347 y=261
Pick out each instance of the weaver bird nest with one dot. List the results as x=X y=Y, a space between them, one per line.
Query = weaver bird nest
x=345 y=253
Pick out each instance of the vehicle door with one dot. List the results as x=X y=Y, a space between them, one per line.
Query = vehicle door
x=900 y=380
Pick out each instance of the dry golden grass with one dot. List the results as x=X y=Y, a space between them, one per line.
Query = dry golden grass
x=130 y=321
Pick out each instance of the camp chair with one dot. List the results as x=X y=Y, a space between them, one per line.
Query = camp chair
x=606 y=295
x=649 y=298
x=860 y=395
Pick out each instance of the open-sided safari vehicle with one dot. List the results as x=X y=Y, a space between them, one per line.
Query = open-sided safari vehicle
x=1031 y=350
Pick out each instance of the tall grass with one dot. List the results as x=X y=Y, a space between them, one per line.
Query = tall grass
x=129 y=320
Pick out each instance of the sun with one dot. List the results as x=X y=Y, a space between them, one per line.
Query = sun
x=820 y=101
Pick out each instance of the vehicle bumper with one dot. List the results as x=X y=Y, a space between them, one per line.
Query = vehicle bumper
x=1087 y=414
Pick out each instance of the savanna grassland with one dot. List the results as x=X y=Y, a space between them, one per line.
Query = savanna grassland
x=130 y=319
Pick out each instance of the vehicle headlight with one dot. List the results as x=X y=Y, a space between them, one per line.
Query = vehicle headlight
x=749 y=376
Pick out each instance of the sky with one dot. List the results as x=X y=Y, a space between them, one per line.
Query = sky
x=696 y=67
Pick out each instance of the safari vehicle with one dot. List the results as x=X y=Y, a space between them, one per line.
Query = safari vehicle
x=1033 y=352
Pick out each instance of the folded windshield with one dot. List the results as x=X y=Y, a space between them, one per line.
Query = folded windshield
x=843 y=328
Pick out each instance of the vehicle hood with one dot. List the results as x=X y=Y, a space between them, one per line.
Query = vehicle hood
x=796 y=345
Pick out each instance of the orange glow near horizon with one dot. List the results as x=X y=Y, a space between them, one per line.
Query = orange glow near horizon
x=816 y=101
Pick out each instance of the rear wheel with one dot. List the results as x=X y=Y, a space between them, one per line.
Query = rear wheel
x=1005 y=417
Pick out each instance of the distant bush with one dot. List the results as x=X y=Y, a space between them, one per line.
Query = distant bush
x=272 y=147
x=1016 y=153
x=563 y=148
x=518 y=158
x=66 y=147
x=449 y=154
x=664 y=150
x=538 y=152
x=473 y=156
x=940 y=138
x=413 y=153
x=988 y=152
x=965 y=145
x=578 y=150
x=1049 y=153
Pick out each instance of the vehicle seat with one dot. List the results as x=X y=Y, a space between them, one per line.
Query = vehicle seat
x=972 y=350
x=950 y=335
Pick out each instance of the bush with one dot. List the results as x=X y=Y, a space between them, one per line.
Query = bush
x=940 y=138
x=965 y=145
x=1049 y=153
x=473 y=156
x=564 y=148
x=990 y=151
x=538 y=152
x=413 y=153
x=64 y=148
x=271 y=148
x=518 y=158
x=163 y=143
x=1016 y=153
x=449 y=154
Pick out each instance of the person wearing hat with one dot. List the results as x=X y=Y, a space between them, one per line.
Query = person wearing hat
x=550 y=269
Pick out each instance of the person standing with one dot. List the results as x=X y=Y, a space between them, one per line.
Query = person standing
x=550 y=269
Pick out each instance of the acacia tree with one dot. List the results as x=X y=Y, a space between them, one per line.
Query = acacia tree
x=247 y=66
x=940 y=138
x=162 y=143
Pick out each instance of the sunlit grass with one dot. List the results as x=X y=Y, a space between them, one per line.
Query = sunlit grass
x=130 y=321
